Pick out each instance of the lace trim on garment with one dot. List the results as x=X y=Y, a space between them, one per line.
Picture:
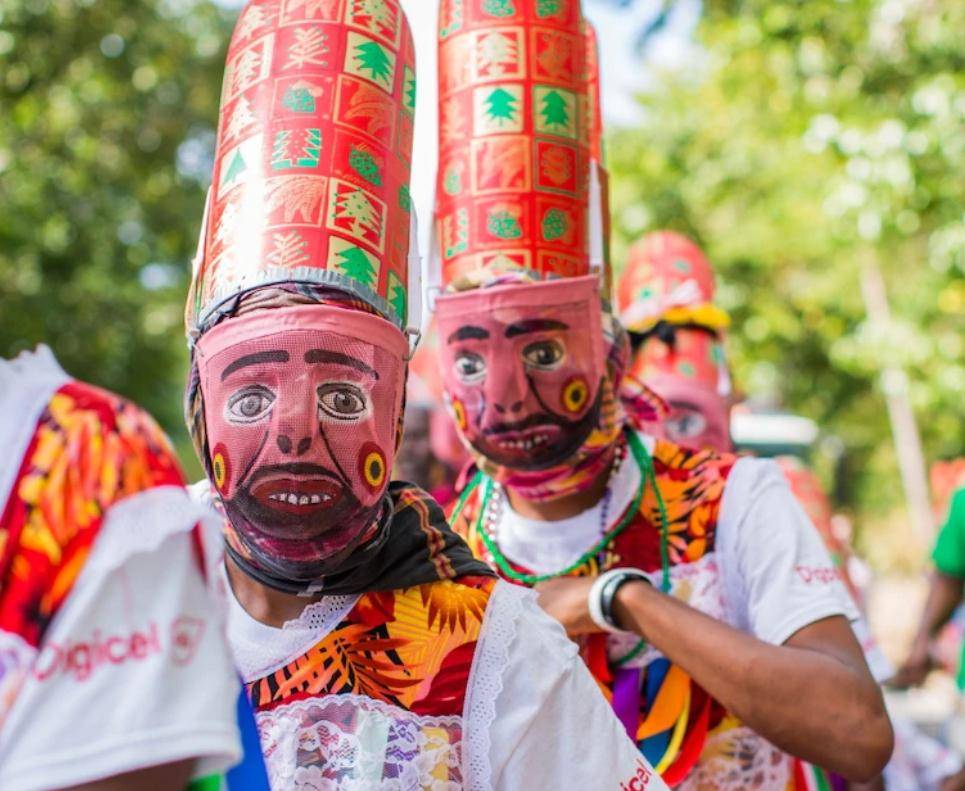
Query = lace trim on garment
x=355 y=743
x=497 y=636
x=26 y=384
x=698 y=584
x=322 y=616
x=141 y=523
x=737 y=759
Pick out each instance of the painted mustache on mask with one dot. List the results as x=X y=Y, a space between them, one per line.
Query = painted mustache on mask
x=298 y=500
x=538 y=441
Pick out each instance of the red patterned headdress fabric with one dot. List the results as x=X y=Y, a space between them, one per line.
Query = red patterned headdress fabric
x=311 y=175
x=515 y=126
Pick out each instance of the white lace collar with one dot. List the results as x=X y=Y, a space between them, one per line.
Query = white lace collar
x=26 y=384
x=260 y=649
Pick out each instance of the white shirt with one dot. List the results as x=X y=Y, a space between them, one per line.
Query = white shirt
x=529 y=706
x=133 y=671
x=776 y=575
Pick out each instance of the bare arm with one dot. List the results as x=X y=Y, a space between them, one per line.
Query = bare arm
x=810 y=696
x=944 y=595
x=169 y=777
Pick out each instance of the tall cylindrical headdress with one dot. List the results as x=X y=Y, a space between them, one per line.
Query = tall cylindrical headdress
x=312 y=164
x=515 y=153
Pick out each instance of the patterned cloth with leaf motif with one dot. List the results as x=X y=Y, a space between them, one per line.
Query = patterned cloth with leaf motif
x=102 y=593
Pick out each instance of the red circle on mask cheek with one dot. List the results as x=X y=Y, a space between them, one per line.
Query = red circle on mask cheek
x=220 y=467
x=373 y=468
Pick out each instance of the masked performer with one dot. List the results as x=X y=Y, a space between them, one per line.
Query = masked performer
x=113 y=667
x=675 y=569
x=376 y=651
x=666 y=296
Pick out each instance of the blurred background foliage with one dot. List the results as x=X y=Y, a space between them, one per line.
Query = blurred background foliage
x=803 y=140
x=107 y=112
x=806 y=140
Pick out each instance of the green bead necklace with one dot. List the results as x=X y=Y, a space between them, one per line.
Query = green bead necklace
x=645 y=463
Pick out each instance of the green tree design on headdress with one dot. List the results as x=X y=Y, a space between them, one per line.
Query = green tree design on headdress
x=372 y=58
x=355 y=264
x=545 y=8
x=398 y=298
x=501 y=106
x=554 y=110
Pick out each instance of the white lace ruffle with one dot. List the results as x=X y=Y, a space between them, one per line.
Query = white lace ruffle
x=322 y=616
x=141 y=523
x=356 y=743
x=698 y=584
x=496 y=638
x=763 y=766
x=26 y=385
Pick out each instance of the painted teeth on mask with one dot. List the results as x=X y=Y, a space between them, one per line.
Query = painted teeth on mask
x=294 y=499
x=525 y=444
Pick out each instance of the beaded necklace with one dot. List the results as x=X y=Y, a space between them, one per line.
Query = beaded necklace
x=645 y=463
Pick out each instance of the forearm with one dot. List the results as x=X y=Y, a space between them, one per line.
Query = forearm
x=944 y=595
x=805 y=702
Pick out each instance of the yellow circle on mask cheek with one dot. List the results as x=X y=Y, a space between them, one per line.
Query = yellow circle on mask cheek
x=220 y=470
x=374 y=468
x=459 y=414
x=575 y=395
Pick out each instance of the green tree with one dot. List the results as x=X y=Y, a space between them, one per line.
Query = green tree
x=501 y=106
x=499 y=8
x=372 y=57
x=554 y=110
x=107 y=118
x=812 y=141
x=355 y=264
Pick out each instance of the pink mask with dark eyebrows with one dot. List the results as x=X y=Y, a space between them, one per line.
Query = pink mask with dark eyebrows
x=523 y=367
x=301 y=409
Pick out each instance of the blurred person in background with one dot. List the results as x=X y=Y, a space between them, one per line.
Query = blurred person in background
x=114 y=672
x=629 y=541
x=376 y=651
x=666 y=299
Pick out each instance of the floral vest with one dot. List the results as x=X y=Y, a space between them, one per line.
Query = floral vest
x=89 y=450
x=685 y=734
x=378 y=701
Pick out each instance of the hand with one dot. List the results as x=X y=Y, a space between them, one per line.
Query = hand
x=954 y=783
x=914 y=670
x=565 y=598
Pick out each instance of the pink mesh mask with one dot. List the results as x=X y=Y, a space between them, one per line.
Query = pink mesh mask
x=699 y=416
x=302 y=412
x=524 y=367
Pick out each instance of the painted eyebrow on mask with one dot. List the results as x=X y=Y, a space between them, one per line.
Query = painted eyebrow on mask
x=316 y=356
x=534 y=325
x=255 y=359
x=469 y=333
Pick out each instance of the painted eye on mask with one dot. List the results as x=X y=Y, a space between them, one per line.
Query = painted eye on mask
x=686 y=424
x=250 y=405
x=470 y=368
x=544 y=355
x=342 y=401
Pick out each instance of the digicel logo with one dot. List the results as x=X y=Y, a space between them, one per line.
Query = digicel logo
x=82 y=658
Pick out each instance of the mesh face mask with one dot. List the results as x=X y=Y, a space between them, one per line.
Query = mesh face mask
x=301 y=411
x=525 y=373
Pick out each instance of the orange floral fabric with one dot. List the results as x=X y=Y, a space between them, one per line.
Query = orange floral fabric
x=410 y=648
x=90 y=450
